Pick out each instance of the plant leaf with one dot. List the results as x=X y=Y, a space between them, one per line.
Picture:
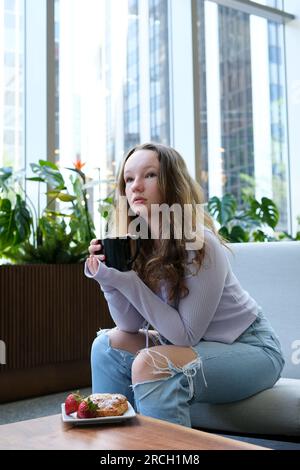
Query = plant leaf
x=49 y=164
x=108 y=200
x=22 y=220
x=61 y=196
x=239 y=235
x=66 y=197
x=222 y=209
x=49 y=174
x=36 y=178
x=5 y=174
x=270 y=213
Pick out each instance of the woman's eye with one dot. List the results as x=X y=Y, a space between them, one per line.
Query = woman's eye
x=148 y=175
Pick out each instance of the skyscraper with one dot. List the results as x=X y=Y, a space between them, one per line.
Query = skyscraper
x=159 y=71
x=141 y=107
x=132 y=80
x=242 y=104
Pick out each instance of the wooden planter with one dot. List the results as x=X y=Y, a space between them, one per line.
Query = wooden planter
x=49 y=316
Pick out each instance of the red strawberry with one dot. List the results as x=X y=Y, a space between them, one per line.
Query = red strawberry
x=87 y=409
x=72 y=402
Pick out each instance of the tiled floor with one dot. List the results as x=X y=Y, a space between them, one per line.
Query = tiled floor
x=50 y=404
x=34 y=408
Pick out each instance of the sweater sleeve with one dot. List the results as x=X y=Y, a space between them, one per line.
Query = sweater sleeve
x=123 y=313
x=187 y=324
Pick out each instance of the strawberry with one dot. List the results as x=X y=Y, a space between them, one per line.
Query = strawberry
x=87 y=409
x=72 y=402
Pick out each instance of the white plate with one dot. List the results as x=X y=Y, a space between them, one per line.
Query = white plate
x=72 y=418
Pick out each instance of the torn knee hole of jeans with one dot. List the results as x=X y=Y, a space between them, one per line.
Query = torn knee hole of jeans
x=189 y=370
x=158 y=365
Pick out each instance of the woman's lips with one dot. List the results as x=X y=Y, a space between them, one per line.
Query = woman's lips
x=139 y=201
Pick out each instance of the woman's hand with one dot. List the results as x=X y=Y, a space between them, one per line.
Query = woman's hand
x=94 y=260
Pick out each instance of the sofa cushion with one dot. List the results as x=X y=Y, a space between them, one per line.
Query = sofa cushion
x=270 y=272
x=273 y=411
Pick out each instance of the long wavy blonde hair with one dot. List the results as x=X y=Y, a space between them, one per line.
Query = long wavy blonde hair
x=168 y=262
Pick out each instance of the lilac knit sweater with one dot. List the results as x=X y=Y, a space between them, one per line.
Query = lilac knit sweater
x=217 y=308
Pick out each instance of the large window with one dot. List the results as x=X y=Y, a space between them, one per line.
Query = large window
x=159 y=71
x=12 y=83
x=131 y=71
x=136 y=61
x=132 y=79
x=79 y=107
x=80 y=94
x=112 y=69
x=242 y=105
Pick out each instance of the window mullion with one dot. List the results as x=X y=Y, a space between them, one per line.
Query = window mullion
x=253 y=8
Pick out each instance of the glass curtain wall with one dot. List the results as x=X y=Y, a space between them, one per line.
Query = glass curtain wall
x=80 y=95
x=104 y=73
x=12 y=84
x=132 y=80
x=159 y=71
x=242 y=105
x=137 y=82
x=112 y=91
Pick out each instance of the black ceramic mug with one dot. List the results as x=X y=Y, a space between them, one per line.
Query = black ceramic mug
x=118 y=252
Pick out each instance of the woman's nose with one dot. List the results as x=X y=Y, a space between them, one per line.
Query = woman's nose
x=137 y=184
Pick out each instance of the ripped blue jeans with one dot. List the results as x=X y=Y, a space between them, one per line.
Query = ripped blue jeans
x=220 y=373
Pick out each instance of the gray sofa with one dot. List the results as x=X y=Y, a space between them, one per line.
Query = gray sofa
x=270 y=272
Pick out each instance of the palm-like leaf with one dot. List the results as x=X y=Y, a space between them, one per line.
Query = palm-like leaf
x=23 y=220
x=6 y=224
x=222 y=209
x=5 y=174
x=270 y=213
x=14 y=224
x=48 y=173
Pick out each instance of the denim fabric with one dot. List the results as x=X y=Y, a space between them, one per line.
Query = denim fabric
x=221 y=373
x=111 y=368
x=236 y=371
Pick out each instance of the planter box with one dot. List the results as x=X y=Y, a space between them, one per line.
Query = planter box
x=49 y=316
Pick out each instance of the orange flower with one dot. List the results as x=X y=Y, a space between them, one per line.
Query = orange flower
x=78 y=164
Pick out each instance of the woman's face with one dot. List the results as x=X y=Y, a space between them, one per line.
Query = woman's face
x=141 y=181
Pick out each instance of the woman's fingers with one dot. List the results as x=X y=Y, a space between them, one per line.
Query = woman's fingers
x=94 y=247
x=93 y=263
x=89 y=264
x=95 y=241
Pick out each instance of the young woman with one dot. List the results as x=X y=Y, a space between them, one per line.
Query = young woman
x=210 y=341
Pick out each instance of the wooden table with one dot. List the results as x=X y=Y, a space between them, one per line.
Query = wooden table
x=139 y=432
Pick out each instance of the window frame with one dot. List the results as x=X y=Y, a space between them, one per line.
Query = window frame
x=184 y=107
x=257 y=9
x=39 y=88
x=291 y=33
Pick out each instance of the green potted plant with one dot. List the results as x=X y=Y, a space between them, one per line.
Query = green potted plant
x=15 y=218
x=255 y=221
x=49 y=311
